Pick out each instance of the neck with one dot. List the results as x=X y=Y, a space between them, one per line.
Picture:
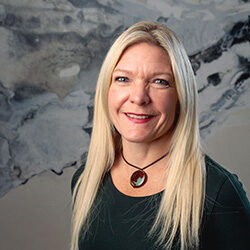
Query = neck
x=144 y=153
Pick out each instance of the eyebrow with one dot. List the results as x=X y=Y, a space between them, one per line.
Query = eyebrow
x=122 y=71
x=154 y=74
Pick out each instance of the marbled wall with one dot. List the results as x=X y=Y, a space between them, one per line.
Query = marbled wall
x=51 y=52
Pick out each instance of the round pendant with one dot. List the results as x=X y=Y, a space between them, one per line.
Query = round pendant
x=138 y=179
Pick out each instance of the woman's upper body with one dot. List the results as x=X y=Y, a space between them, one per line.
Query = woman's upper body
x=145 y=139
x=122 y=222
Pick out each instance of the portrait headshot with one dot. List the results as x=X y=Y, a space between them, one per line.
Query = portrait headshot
x=124 y=125
x=147 y=180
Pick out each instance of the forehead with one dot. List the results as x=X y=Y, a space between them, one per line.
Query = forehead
x=144 y=54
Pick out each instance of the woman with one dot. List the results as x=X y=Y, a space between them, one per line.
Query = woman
x=146 y=183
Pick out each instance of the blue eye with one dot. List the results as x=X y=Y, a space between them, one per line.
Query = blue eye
x=121 y=79
x=162 y=82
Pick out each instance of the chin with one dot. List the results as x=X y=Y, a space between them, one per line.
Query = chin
x=137 y=138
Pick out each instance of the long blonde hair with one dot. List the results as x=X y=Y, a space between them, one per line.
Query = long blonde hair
x=181 y=206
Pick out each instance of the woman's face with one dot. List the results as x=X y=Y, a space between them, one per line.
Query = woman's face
x=142 y=98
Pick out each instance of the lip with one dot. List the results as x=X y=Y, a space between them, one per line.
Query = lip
x=142 y=114
x=138 y=120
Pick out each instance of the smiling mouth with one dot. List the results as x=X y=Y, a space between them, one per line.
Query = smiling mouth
x=138 y=116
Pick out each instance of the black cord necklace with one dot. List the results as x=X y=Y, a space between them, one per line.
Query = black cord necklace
x=139 y=177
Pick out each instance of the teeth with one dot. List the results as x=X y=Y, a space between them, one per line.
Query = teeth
x=137 y=116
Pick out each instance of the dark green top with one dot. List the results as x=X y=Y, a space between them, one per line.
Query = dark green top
x=121 y=222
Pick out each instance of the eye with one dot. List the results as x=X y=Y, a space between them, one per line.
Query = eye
x=161 y=82
x=121 y=79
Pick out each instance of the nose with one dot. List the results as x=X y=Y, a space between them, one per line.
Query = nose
x=139 y=94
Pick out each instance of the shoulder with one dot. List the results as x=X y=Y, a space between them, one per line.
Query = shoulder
x=223 y=189
x=226 y=210
x=76 y=176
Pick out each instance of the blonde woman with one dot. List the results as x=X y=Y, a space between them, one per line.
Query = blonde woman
x=146 y=183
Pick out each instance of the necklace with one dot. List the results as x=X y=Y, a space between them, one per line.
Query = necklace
x=139 y=177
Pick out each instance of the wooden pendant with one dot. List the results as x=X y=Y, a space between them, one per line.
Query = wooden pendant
x=138 y=179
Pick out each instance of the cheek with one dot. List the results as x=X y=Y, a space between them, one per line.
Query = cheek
x=113 y=104
x=116 y=98
x=110 y=103
x=168 y=104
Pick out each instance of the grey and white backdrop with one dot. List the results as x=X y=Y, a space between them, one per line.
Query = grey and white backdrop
x=50 y=56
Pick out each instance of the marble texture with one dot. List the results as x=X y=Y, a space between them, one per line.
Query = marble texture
x=51 y=52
